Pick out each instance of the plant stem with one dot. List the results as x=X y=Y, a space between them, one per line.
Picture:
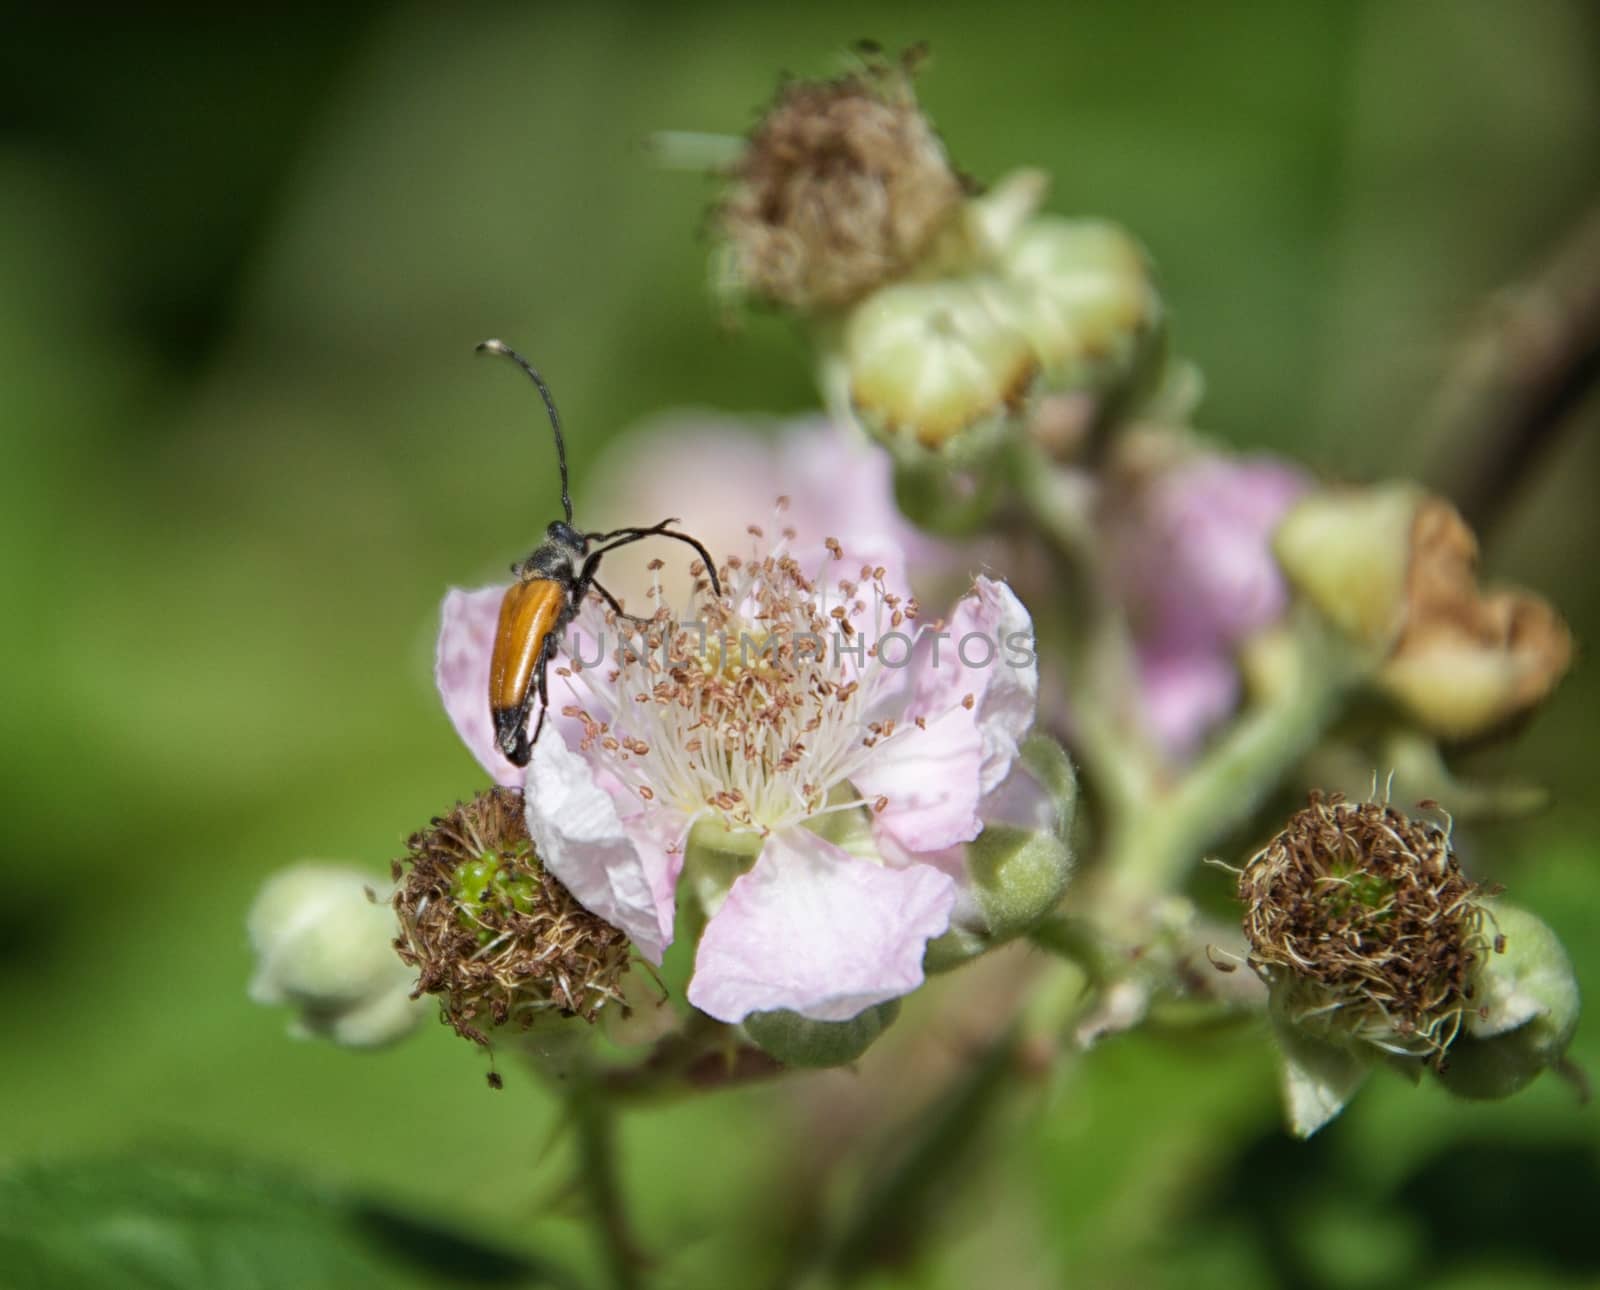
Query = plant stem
x=1101 y=672
x=1520 y=380
x=594 y=1125
x=894 y=1213
x=1151 y=849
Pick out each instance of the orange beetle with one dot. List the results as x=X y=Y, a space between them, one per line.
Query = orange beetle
x=550 y=588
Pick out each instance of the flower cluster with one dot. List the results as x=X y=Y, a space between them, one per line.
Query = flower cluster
x=827 y=792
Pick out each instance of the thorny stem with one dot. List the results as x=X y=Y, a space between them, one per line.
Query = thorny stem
x=594 y=1125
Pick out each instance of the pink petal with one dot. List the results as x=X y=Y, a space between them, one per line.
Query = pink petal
x=816 y=931
x=1185 y=696
x=461 y=671
x=837 y=486
x=935 y=776
x=622 y=870
x=931 y=780
x=990 y=655
x=1019 y=800
x=1195 y=552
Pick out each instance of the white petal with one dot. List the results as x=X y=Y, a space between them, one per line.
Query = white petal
x=623 y=872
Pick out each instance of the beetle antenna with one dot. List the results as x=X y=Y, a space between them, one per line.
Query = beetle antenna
x=505 y=351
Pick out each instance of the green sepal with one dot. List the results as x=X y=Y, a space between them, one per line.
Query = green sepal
x=1319 y=1077
x=1527 y=1011
x=799 y=1041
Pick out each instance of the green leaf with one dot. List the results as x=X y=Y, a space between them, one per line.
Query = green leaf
x=201 y=1223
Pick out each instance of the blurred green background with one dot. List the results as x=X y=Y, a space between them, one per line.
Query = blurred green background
x=243 y=261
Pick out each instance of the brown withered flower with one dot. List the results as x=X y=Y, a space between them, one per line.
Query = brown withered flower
x=1396 y=570
x=1468 y=661
x=498 y=939
x=843 y=185
x=1364 y=927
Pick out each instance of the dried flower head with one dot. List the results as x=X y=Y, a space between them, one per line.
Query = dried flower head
x=1467 y=660
x=1397 y=571
x=494 y=935
x=844 y=185
x=1363 y=925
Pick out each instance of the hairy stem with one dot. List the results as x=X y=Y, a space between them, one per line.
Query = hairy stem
x=1101 y=675
x=1151 y=850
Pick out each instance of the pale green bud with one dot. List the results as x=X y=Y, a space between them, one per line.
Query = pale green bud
x=1347 y=551
x=1083 y=296
x=1527 y=1011
x=938 y=367
x=1019 y=866
x=994 y=217
x=325 y=946
x=799 y=1041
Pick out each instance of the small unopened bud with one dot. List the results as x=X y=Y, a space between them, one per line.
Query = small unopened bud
x=1017 y=869
x=324 y=945
x=1364 y=928
x=799 y=1041
x=1084 y=296
x=1397 y=571
x=844 y=186
x=497 y=938
x=1526 y=1013
x=1347 y=551
x=939 y=366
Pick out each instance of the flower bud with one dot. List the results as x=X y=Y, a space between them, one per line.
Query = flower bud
x=1084 y=298
x=844 y=186
x=1347 y=551
x=325 y=946
x=1397 y=571
x=938 y=366
x=799 y=1041
x=994 y=217
x=494 y=935
x=1018 y=867
x=1527 y=1010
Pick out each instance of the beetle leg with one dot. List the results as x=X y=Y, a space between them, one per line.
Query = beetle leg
x=620 y=611
x=523 y=750
x=623 y=537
